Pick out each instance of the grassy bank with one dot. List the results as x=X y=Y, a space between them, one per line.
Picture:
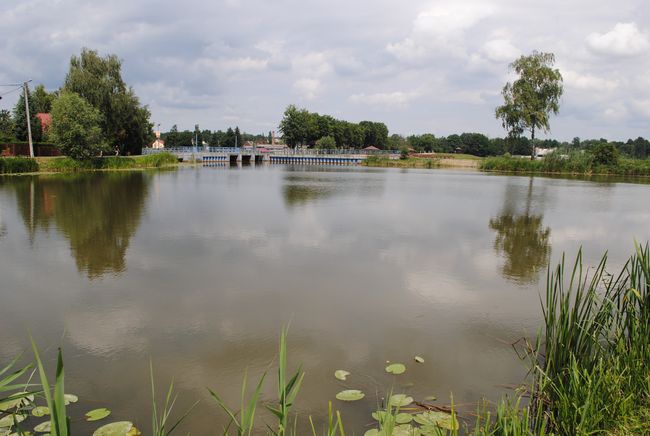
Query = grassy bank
x=574 y=163
x=589 y=374
x=17 y=165
x=66 y=164
x=411 y=162
x=21 y=165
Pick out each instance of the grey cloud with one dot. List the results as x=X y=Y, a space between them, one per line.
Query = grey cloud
x=418 y=66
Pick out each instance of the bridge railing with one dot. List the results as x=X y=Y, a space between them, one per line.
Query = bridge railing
x=262 y=150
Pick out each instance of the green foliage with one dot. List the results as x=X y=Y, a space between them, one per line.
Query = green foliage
x=301 y=127
x=67 y=164
x=76 y=127
x=326 y=142
x=570 y=163
x=59 y=421
x=124 y=123
x=6 y=126
x=605 y=154
x=404 y=153
x=20 y=120
x=530 y=99
x=160 y=424
x=13 y=165
x=41 y=101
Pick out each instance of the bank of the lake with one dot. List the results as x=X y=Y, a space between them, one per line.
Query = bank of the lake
x=429 y=160
x=62 y=164
x=582 y=164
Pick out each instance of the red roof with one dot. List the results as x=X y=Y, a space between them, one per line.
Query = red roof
x=46 y=120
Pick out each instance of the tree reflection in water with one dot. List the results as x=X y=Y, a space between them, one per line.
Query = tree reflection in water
x=522 y=239
x=98 y=213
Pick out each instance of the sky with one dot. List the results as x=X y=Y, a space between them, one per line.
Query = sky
x=418 y=66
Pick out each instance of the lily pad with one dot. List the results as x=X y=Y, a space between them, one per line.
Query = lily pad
x=97 y=414
x=400 y=418
x=430 y=398
x=350 y=395
x=8 y=421
x=419 y=359
x=406 y=430
x=400 y=400
x=70 y=398
x=437 y=419
x=44 y=427
x=120 y=428
x=341 y=374
x=374 y=432
x=40 y=411
x=396 y=368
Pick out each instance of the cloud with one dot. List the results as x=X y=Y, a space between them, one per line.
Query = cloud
x=392 y=99
x=625 y=39
x=308 y=88
x=589 y=82
x=440 y=29
x=501 y=50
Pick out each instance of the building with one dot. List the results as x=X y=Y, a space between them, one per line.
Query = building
x=158 y=143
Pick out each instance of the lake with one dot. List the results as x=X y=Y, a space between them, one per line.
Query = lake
x=199 y=269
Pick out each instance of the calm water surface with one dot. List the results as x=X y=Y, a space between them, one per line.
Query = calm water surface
x=198 y=269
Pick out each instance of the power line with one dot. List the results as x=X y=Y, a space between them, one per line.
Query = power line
x=9 y=92
x=13 y=84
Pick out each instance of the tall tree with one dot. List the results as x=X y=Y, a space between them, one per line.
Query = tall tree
x=125 y=123
x=530 y=99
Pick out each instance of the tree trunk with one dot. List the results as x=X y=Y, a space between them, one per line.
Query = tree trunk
x=532 y=140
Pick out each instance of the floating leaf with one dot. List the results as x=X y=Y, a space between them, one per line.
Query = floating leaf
x=341 y=374
x=437 y=419
x=97 y=414
x=8 y=421
x=120 y=428
x=134 y=432
x=396 y=368
x=418 y=359
x=400 y=418
x=405 y=430
x=70 y=398
x=40 y=411
x=400 y=400
x=44 y=427
x=374 y=432
x=350 y=395
x=430 y=398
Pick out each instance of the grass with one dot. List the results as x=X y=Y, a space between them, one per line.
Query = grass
x=66 y=164
x=411 y=162
x=16 y=165
x=572 y=163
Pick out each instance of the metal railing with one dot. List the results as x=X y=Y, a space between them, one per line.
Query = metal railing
x=262 y=150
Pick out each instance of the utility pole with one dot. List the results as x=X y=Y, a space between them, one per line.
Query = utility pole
x=29 y=123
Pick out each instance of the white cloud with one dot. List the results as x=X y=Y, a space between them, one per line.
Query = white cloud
x=308 y=88
x=588 y=82
x=440 y=28
x=390 y=99
x=501 y=50
x=625 y=39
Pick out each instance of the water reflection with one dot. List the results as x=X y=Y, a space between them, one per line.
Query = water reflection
x=522 y=239
x=98 y=213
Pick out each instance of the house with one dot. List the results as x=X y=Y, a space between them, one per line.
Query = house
x=158 y=143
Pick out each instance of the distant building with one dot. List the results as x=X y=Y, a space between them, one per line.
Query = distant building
x=158 y=143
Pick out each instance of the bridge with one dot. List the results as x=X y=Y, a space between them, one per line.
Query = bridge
x=234 y=155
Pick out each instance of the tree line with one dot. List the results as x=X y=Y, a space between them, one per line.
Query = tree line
x=300 y=127
x=218 y=138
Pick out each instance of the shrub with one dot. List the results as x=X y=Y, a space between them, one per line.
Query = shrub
x=605 y=154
